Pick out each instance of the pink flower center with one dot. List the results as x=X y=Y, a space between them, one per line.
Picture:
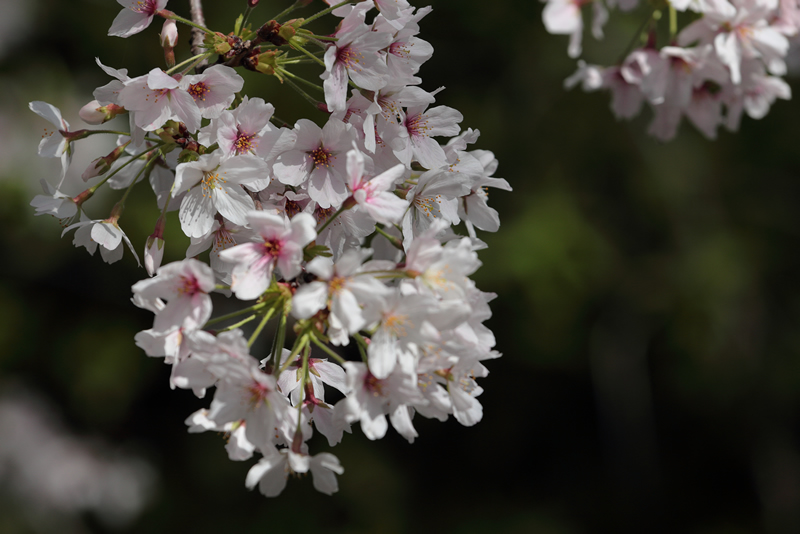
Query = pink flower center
x=145 y=7
x=400 y=49
x=189 y=286
x=272 y=247
x=322 y=157
x=373 y=385
x=199 y=91
x=349 y=57
x=244 y=143
x=258 y=393
x=417 y=126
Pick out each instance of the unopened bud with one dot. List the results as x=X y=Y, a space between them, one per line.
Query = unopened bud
x=102 y=165
x=169 y=38
x=252 y=3
x=94 y=113
x=153 y=254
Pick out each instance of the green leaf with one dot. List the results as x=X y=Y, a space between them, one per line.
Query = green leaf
x=238 y=26
x=317 y=250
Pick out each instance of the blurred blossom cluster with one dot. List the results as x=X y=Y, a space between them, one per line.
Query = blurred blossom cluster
x=727 y=61
x=53 y=477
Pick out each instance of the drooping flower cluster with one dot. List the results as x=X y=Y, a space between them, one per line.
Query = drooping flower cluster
x=342 y=231
x=727 y=61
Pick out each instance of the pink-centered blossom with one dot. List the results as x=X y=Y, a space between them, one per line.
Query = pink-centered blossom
x=136 y=15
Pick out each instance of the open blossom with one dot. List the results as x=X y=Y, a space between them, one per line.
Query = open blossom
x=53 y=144
x=375 y=194
x=213 y=90
x=215 y=187
x=136 y=15
x=105 y=233
x=279 y=243
x=271 y=471
x=157 y=98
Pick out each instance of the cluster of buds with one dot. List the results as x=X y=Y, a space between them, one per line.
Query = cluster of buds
x=727 y=61
x=341 y=232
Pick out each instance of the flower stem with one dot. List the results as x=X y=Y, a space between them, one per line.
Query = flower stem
x=306 y=52
x=237 y=325
x=302 y=80
x=221 y=318
x=325 y=12
x=287 y=10
x=260 y=327
x=182 y=63
x=330 y=220
x=277 y=345
x=300 y=91
x=328 y=350
x=170 y=15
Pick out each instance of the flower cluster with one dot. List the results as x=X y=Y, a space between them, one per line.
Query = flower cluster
x=341 y=231
x=727 y=61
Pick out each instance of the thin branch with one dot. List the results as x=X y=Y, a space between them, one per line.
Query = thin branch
x=198 y=35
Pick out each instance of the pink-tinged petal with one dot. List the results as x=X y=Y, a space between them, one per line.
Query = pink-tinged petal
x=158 y=79
x=382 y=354
x=290 y=259
x=386 y=180
x=325 y=188
x=335 y=87
x=196 y=213
x=233 y=203
x=52 y=146
x=466 y=408
x=428 y=152
x=355 y=168
x=187 y=175
x=129 y=22
x=401 y=421
x=243 y=169
x=269 y=473
x=106 y=235
x=292 y=167
x=303 y=229
x=185 y=108
x=386 y=208
x=321 y=267
x=49 y=113
x=345 y=307
x=309 y=299
x=250 y=280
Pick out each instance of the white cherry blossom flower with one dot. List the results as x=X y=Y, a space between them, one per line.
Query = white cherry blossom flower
x=136 y=15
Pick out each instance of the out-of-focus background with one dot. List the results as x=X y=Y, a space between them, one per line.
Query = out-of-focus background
x=648 y=310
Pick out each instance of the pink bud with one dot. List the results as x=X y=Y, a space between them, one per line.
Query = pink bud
x=92 y=113
x=94 y=169
x=169 y=33
x=153 y=254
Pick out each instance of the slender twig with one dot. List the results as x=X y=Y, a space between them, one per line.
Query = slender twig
x=198 y=35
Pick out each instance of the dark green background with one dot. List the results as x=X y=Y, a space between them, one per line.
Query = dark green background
x=647 y=309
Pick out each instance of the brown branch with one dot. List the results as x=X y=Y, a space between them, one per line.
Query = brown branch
x=198 y=36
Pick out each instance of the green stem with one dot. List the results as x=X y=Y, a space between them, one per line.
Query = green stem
x=327 y=349
x=133 y=158
x=170 y=15
x=362 y=346
x=329 y=221
x=300 y=91
x=301 y=342
x=673 y=22
x=277 y=345
x=260 y=327
x=246 y=16
x=237 y=325
x=302 y=80
x=307 y=53
x=221 y=318
x=392 y=239
x=148 y=165
x=203 y=57
x=325 y=12
x=287 y=10
x=182 y=63
x=636 y=36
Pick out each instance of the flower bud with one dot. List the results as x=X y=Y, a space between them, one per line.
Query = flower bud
x=92 y=113
x=102 y=165
x=153 y=254
x=169 y=38
x=252 y=3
